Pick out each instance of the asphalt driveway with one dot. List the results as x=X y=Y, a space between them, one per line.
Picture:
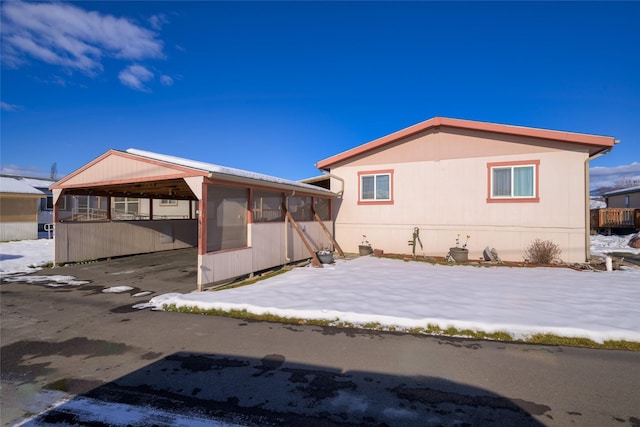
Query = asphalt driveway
x=79 y=341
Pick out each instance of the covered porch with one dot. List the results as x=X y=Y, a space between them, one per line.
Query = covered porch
x=241 y=222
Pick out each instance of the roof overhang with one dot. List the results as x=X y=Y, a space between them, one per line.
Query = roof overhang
x=622 y=191
x=142 y=174
x=595 y=143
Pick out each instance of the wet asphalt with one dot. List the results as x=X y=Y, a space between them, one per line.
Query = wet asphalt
x=79 y=341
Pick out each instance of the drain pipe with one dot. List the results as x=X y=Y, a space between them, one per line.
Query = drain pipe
x=286 y=227
x=587 y=202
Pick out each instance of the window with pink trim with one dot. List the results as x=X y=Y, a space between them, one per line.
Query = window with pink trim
x=375 y=187
x=513 y=181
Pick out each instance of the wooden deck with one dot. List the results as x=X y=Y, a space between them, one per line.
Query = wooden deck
x=615 y=218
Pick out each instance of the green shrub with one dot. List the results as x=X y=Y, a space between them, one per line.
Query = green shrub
x=542 y=252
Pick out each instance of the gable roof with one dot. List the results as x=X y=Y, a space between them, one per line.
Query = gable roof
x=40 y=183
x=222 y=171
x=595 y=142
x=139 y=173
x=17 y=185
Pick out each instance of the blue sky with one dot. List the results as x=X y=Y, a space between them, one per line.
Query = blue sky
x=274 y=87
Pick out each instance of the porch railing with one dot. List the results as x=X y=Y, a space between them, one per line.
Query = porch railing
x=615 y=218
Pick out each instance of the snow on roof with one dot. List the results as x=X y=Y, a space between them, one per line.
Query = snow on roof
x=223 y=170
x=17 y=185
x=622 y=191
x=38 y=182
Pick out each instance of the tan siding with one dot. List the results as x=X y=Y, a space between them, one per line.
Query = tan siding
x=457 y=144
x=91 y=240
x=18 y=231
x=269 y=242
x=18 y=209
x=441 y=186
x=618 y=201
x=218 y=266
x=117 y=168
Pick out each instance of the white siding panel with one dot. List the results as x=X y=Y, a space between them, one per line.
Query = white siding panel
x=18 y=231
x=95 y=240
x=218 y=266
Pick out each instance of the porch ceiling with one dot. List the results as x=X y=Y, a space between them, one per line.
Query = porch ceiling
x=174 y=189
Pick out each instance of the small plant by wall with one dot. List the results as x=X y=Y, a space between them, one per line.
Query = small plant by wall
x=542 y=252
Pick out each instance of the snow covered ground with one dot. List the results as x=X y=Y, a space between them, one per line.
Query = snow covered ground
x=398 y=294
x=520 y=301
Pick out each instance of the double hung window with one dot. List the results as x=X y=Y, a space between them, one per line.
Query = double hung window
x=376 y=187
x=513 y=182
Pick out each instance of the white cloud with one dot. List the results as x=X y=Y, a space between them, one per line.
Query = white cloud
x=601 y=176
x=157 y=21
x=71 y=37
x=9 y=107
x=135 y=76
x=18 y=170
x=166 y=80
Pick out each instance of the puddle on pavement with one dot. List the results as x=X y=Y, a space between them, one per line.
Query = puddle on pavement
x=17 y=358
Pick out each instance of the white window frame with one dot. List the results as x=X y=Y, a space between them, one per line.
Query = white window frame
x=375 y=175
x=512 y=166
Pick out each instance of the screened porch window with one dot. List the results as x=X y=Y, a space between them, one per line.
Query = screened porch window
x=322 y=208
x=226 y=217
x=300 y=208
x=82 y=208
x=267 y=206
x=513 y=182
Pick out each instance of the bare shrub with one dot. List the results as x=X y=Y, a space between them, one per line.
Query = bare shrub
x=542 y=252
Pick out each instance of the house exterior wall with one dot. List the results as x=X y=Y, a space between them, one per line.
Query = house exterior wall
x=18 y=217
x=120 y=168
x=77 y=241
x=175 y=209
x=441 y=185
x=619 y=200
x=179 y=209
x=271 y=244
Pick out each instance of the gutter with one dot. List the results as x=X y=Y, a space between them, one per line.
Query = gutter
x=330 y=175
x=587 y=202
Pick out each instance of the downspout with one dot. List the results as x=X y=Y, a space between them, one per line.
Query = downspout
x=286 y=227
x=587 y=203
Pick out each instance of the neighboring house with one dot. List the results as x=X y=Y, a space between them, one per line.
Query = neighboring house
x=45 y=207
x=623 y=198
x=621 y=214
x=19 y=208
x=503 y=185
x=131 y=202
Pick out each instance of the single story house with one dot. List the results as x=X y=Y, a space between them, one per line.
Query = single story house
x=45 y=209
x=502 y=185
x=21 y=214
x=623 y=198
x=240 y=221
x=621 y=213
